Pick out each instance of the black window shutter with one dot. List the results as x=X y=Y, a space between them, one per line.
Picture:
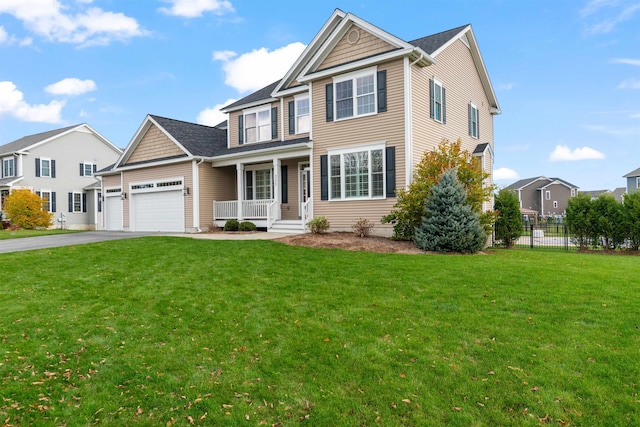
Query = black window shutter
x=53 y=201
x=38 y=194
x=470 y=110
x=292 y=117
x=329 y=101
x=81 y=169
x=324 y=178
x=432 y=105
x=95 y=168
x=477 y=123
x=274 y=123
x=248 y=185
x=382 y=91
x=70 y=202
x=391 y=171
x=84 y=202
x=37 y=167
x=284 y=179
x=444 y=106
x=53 y=168
x=240 y=129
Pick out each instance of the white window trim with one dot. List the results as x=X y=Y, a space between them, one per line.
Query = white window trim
x=253 y=169
x=84 y=169
x=74 y=202
x=547 y=195
x=555 y=204
x=437 y=82
x=297 y=98
x=475 y=108
x=573 y=192
x=42 y=159
x=357 y=149
x=638 y=182
x=353 y=76
x=41 y=196
x=12 y=160
x=255 y=110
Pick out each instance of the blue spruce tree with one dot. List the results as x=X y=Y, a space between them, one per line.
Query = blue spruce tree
x=449 y=225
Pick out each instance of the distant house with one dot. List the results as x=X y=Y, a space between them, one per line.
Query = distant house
x=59 y=165
x=617 y=194
x=546 y=196
x=633 y=181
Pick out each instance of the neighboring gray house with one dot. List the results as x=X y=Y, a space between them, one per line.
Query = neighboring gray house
x=617 y=194
x=547 y=196
x=59 y=165
x=633 y=181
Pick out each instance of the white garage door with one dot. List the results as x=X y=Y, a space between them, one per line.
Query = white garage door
x=158 y=211
x=113 y=212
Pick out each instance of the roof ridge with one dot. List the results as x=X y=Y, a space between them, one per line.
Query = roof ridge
x=181 y=121
x=441 y=32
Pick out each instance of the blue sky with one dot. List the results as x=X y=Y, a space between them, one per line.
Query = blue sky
x=566 y=73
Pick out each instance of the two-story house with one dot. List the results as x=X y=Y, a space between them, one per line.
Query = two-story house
x=546 y=196
x=59 y=166
x=336 y=136
x=633 y=181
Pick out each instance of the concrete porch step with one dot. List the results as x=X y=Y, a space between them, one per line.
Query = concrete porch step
x=287 y=226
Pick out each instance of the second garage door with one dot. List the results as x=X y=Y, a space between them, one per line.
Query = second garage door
x=158 y=211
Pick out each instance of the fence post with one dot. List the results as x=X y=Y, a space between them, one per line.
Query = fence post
x=566 y=237
x=531 y=236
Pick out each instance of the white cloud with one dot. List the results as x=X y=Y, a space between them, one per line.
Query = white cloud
x=88 y=26
x=614 y=131
x=562 y=153
x=3 y=35
x=71 y=87
x=607 y=14
x=12 y=104
x=195 y=8
x=629 y=84
x=506 y=86
x=258 y=68
x=504 y=174
x=212 y=116
x=627 y=61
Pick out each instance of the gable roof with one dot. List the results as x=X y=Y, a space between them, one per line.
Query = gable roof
x=260 y=96
x=432 y=43
x=31 y=141
x=518 y=185
x=633 y=173
x=198 y=140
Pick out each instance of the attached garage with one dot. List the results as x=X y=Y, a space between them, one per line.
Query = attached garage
x=113 y=209
x=157 y=206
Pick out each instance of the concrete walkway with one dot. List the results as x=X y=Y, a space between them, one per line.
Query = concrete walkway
x=57 y=240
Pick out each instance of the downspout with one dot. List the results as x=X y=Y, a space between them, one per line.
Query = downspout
x=196 y=195
x=417 y=60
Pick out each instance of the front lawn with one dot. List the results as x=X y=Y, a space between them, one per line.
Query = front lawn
x=175 y=331
x=17 y=234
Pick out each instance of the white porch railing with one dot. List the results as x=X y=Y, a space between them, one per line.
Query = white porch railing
x=307 y=207
x=251 y=209
x=272 y=213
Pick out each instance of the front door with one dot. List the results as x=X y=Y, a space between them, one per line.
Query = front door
x=305 y=184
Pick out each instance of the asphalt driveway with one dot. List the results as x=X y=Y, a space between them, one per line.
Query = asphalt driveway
x=55 y=240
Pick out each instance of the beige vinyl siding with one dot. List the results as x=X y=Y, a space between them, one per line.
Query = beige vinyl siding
x=111 y=181
x=154 y=173
x=233 y=124
x=387 y=127
x=367 y=45
x=456 y=70
x=154 y=145
x=215 y=184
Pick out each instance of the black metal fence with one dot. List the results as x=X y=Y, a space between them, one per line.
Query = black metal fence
x=544 y=234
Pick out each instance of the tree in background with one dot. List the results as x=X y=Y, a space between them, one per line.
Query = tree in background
x=450 y=224
x=408 y=211
x=508 y=225
x=25 y=210
x=631 y=219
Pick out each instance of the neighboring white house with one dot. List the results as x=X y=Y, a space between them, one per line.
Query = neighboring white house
x=59 y=165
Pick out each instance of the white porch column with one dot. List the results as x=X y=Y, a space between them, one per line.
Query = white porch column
x=277 y=188
x=240 y=180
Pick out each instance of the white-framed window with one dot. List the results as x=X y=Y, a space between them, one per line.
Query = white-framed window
x=357 y=173
x=8 y=167
x=438 y=100
x=258 y=184
x=77 y=202
x=555 y=204
x=303 y=120
x=86 y=169
x=46 y=200
x=638 y=182
x=547 y=195
x=45 y=168
x=473 y=121
x=355 y=94
x=257 y=124
x=573 y=192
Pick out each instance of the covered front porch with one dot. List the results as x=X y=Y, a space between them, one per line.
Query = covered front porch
x=273 y=194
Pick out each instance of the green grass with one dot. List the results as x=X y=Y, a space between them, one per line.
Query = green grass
x=18 y=234
x=165 y=331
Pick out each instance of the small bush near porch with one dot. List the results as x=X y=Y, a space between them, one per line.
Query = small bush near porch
x=175 y=331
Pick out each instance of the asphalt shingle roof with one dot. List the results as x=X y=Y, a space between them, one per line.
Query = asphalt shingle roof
x=29 y=140
x=633 y=173
x=435 y=41
x=199 y=140
x=259 y=95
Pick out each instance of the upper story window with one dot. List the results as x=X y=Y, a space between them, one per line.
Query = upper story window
x=87 y=169
x=548 y=195
x=357 y=173
x=638 y=182
x=303 y=122
x=438 y=101
x=8 y=167
x=355 y=94
x=573 y=192
x=474 y=125
x=45 y=168
x=258 y=124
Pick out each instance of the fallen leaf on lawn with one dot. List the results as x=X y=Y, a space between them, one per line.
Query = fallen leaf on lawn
x=402 y=375
x=190 y=419
x=393 y=405
x=406 y=400
x=491 y=373
x=544 y=419
x=536 y=388
x=326 y=340
x=457 y=408
x=480 y=404
x=227 y=406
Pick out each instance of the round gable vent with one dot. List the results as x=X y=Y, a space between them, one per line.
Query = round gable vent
x=353 y=36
